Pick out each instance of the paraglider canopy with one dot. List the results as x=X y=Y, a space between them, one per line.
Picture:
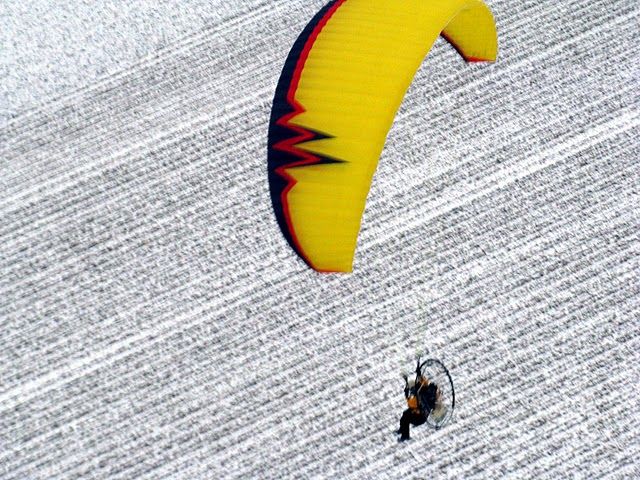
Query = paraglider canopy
x=338 y=94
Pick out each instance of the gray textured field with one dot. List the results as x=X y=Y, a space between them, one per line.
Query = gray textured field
x=154 y=323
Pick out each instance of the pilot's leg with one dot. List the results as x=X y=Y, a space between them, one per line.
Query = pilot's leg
x=405 y=421
x=418 y=419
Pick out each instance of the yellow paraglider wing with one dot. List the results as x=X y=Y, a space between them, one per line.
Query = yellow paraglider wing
x=338 y=94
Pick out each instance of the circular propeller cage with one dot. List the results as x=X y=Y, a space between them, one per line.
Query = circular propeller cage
x=435 y=371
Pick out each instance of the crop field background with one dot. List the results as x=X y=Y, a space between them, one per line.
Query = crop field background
x=155 y=324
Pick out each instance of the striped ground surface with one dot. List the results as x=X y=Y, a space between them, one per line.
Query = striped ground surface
x=154 y=324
